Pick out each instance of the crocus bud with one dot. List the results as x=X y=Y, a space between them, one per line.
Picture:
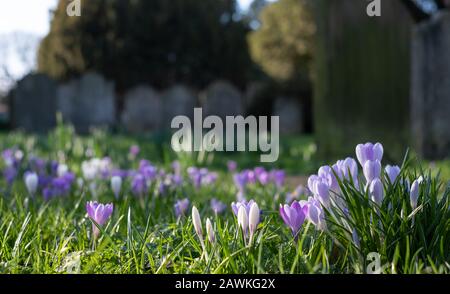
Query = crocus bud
x=323 y=192
x=372 y=170
x=376 y=191
x=392 y=172
x=243 y=219
x=197 y=222
x=98 y=212
x=116 y=184
x=31 y=181
x=253 y=218
x=414 y=194
x=210 y=231
x=369 y=151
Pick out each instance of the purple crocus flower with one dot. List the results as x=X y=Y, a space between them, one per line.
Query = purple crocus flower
x=176 y=166
x=240 y=180
x=181 y=206
x=345 y=169
x=316 y=214
x=372 y=170
x=278 y=177
x=369 y=151
x=392 y=172
x=58 y=186
x=232 y=165
x=217 y=206
x=99 y=213
x=134 y=151
x=236 y=205
x=148 y=170
x=376 y=191
x=209 y=178
x=294 y=215
x=262 y=175
x=139 y=185
x=319 y=186
x=10 y=174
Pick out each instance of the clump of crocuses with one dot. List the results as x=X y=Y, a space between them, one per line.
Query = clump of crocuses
x=248 y=217
x=197 y=222
x=99 y=213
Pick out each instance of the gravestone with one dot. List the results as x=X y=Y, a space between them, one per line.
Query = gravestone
x=33 y=103
x=290 y=113
x=222 y=99
x=88 y=102
x=430 y=91
x=361 y=78
x=178 y=100
x=143 y=110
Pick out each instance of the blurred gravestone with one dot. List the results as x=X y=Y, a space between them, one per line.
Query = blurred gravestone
x=178 y=100
x=33 y=105
x=430 y=97
x=88 y=102
x=143 y=110
x=289 y=111
x=222 y=99
x=362 y=77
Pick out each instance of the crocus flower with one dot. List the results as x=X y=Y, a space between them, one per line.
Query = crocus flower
x=139 y=185
x=147 y=170
x=262 y=175
x=392 y=172
x=31 y=182
x=210 y=231
x=181 y=206
x=134 y=151
x=369 y=151
x=240 y=180
x=243 y=219
x=278 y=177
x=196 y=221
x=376 y=191
x=236 y=205
x=232 y=165
x=116 y=184
x=346 y=169
x=294 y=216
x=414 y=194
x=320 y=189
x=99 y=213
x=253 y=220
x=217 y=206
x=372 y=170
x=176 y=166
x=316 y=214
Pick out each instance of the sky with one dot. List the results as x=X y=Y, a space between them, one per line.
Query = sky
x=33 y=15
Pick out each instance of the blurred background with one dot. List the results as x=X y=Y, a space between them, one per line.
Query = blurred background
x=334 y=75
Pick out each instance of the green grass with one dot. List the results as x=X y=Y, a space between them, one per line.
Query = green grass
x=146 y=237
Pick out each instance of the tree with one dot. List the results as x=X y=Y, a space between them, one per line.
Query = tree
x=158 y=42
x=284 y=43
